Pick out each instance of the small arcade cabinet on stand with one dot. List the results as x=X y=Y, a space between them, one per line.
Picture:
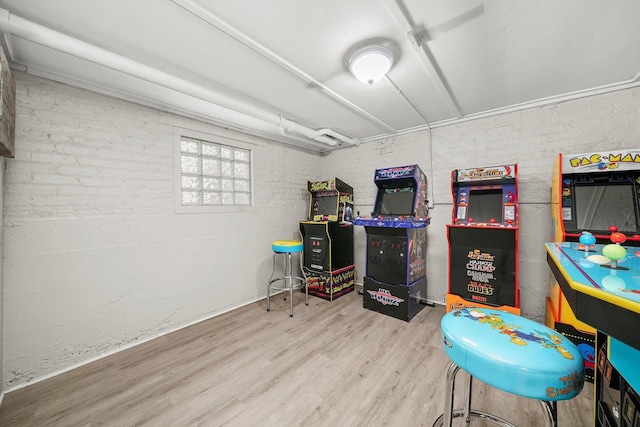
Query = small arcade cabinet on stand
x=593 y=194
x=395 y=282
x=328 y=239
x=483 y=239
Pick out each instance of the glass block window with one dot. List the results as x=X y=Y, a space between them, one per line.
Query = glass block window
x=214 y=174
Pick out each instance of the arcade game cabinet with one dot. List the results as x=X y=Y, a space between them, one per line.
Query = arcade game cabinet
x=591 y=192
x=328 y=239
x=395 y=283
x=483 y=239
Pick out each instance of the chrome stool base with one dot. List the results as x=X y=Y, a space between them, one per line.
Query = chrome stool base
x=446 y=419
x=289 y=281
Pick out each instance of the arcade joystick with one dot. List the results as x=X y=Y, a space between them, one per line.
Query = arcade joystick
x=615 y=251
x=618 y=238
x=492 y=221
x=587 y=239
x=470 y=220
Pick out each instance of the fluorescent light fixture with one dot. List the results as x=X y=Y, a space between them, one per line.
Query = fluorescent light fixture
x=371 y=63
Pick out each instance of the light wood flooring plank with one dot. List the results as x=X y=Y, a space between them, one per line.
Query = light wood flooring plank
x=332 y=364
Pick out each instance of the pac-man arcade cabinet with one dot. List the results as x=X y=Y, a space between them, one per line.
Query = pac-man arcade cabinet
x=591 y=192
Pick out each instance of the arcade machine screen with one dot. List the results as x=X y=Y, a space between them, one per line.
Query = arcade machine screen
x=325 y=206
x=397 y=201
x=485 y=205
x=597 y=207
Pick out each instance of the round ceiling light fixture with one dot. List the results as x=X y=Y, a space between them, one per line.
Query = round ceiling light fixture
x=370 y=63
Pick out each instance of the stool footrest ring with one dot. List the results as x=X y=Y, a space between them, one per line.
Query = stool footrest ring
x=473 y=413
x=299 y=285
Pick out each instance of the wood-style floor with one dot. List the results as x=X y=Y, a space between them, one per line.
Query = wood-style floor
x=332 y=364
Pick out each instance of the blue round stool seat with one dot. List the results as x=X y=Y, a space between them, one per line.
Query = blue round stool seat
x=287 y=246
x=512 y=353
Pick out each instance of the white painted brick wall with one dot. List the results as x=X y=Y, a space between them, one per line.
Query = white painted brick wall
x=95 y=258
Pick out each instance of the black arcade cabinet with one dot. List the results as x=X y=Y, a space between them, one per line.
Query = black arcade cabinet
x=395 y=283
x=328 y=239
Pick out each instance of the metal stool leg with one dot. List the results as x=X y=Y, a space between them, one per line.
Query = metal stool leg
x=446 y=419
x=286 y=274
x=304 y=278
x=288 y=277
x=290 y=282
x=452 y=370
x=273 y=272
x=467 y=397
x=551 y=413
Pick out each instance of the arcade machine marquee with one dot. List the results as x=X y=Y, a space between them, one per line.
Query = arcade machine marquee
x=328 y=239
x=483 y=239
x=395 y=283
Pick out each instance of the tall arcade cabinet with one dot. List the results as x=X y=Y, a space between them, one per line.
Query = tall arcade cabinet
x=395 y=283
x=327 y=236
x=483 y=239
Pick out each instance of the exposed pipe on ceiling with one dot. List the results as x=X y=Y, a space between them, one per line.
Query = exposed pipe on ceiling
x=404 y=95
x=221 y=25
x=11 y=24
x=337 y=136
x=287 y=125
x=423 y=54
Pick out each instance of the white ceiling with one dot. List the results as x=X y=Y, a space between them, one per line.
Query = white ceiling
x=247 y=63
